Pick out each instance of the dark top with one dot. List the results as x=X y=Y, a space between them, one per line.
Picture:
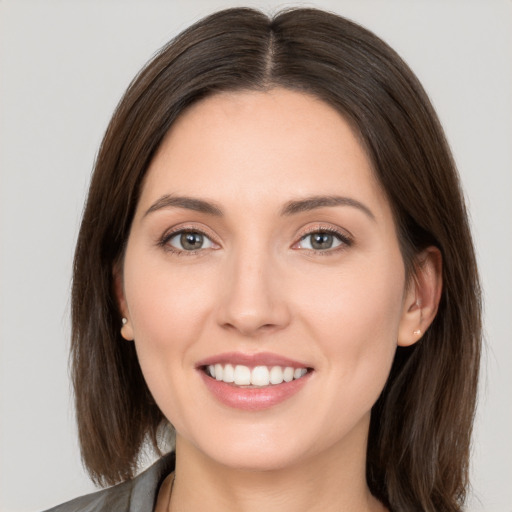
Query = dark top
x=137 y=495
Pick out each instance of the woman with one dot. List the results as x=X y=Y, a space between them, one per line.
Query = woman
x=275 y=259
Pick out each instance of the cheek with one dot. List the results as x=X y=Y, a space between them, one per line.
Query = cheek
x=168 y=308
x=356 y=320
x=355 y=299
x=166 y=303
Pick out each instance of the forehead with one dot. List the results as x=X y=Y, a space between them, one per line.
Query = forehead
x=261 y=146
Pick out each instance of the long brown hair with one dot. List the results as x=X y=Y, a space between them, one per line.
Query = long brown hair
x=419 y=440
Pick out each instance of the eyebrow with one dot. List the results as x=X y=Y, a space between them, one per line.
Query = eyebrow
x=312 y=203
x=188 y=203
x=290 y=208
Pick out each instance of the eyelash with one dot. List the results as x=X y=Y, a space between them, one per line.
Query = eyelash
x=346 y=241
x=164 y=241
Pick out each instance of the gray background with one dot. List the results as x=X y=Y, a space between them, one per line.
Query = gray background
x=64 y=66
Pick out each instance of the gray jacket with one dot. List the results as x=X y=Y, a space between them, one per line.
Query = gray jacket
x=137 y=495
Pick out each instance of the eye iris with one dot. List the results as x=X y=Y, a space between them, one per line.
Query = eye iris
x=191 y=241
x=321 y=241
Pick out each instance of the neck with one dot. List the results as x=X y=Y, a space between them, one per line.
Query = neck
x=332 y=481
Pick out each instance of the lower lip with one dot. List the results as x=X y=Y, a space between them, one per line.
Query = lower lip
x=253 y=399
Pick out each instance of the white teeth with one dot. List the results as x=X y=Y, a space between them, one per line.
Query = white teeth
x=259 y=376
x=288 y=374
x=276 y=375
x=229 y=373
x=242 y=375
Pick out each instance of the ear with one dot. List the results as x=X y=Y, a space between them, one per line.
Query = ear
x=126 y=326
x=422 y=296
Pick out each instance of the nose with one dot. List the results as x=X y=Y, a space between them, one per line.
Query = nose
x=252 y=299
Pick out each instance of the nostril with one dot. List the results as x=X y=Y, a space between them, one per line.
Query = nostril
x=251 y=327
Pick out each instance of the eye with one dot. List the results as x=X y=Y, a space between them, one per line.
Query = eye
x=322 y=241
x=189 y=241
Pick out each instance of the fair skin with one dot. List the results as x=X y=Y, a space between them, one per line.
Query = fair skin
x=265 y=276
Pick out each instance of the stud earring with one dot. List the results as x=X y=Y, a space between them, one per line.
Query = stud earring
x=417 y=332
x=124 y=321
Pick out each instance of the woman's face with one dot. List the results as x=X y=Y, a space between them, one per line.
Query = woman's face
x=262 y=250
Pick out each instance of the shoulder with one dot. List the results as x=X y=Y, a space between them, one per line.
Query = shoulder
x=114 y=499
x=130 y=496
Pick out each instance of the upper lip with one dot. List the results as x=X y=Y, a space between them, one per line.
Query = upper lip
x=251 y=360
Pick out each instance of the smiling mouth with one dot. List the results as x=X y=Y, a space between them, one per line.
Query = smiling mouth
x=256 y=377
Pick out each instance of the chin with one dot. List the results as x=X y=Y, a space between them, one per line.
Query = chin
x=258 y=448
x=271 y=458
